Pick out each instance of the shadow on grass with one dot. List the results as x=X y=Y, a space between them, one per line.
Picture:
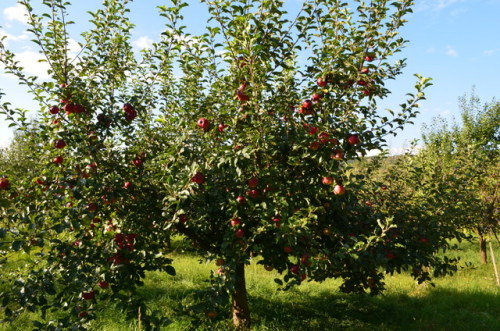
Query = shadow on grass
x=438 y=310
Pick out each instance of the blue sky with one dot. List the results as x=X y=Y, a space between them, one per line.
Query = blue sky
x=455 y=42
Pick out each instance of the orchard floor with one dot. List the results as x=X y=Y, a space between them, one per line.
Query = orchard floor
x=469 y=300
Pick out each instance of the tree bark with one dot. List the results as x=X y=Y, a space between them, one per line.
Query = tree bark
x=241 y=310
x=482 y=246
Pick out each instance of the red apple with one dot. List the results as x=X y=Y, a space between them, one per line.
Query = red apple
x=353 y=139
x=361 y=82
x=137 y=162
x=424 y=240
x=305 y=259
x=183 y=218
x=287 y=249
x=315 y=97
x=383 y=187
x=240 y=233
x=253 y=182
x=253 y=193
x=54 y=110
x=365 y=70
x=203 y=123
x=327 y=180
x=338 y=190
x=390 y=255
x=366 y=92
x=103 y=284
x=337 y=155
x=130 y=115
x=198 y=178
x=321 y=82
x=221 y=127
x=127 y=185
x=307 y=104
x=313 y=130
x=59 y=143
x=88 y=295
x=369 y=58
x=4 y=183
x=315 y=145
x=241 y=199
x=58 y=160
x=294 y=269
x=235 y=221
x=323 y=137
x=92 y=207
x=242 y=96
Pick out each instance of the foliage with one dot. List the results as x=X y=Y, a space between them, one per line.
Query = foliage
x=228 y=138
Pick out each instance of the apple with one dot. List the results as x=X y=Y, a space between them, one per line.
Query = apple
x=383 y=187
x=366 y=92
x=424 y=240
x=333 y=141
x=203 y=123
x=365 y=70
x=287 y=249
x=92 y=207
x=321 y=82
x=241 y=199
x=4 y=183
x=327 y=180
x=130 y=115
x=235 y=221
x=127 y=107
x=242 y=96
x=361 y=82
x=369 y=58
x=39 y=181
x=353 y=139
x=390 y=255
x=88 y=295
x=337 y=155
x=82 y=314
x=313 y=130
x=303 y=277
x=198 y=178
x=315 y=97
x=103 y=284
x=338 y=189
x=219 y=262
x=58 y=160
x=323 y=137
x=54 y=110
x=212 y=314
x=137 y=162
x=253 y=182
x=59 y=143
x=127 y=185
x=183 y=218
x=294 y=269
x=240 y=233
x=221 y=127
x=307 y=104
x=73 y=108
x=315 y=145
x=253 y=193
x=305 y=260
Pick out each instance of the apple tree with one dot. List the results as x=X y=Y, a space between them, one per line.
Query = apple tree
x=238 y=138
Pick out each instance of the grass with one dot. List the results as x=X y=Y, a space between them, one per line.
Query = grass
x=469 y=300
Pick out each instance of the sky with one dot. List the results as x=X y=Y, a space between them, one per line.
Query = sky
x=455 y=42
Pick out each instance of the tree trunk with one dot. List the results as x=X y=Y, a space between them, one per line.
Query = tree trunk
x=482 y=246
x=241 y=310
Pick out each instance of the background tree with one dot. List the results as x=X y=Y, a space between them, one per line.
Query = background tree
x=226 y=138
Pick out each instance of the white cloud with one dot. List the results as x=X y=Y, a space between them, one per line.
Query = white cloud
x=16 y=13
x=143 y=42
x=30 y=61
x=450 y=51
x=9 y=37
x=435 y=4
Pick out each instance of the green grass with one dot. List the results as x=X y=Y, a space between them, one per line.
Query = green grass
x=469 y=300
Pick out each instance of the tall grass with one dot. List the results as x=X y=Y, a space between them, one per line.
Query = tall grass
x=469 y=300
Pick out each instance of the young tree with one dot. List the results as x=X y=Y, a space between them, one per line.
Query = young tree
x=238 y=138
x=467 y=154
